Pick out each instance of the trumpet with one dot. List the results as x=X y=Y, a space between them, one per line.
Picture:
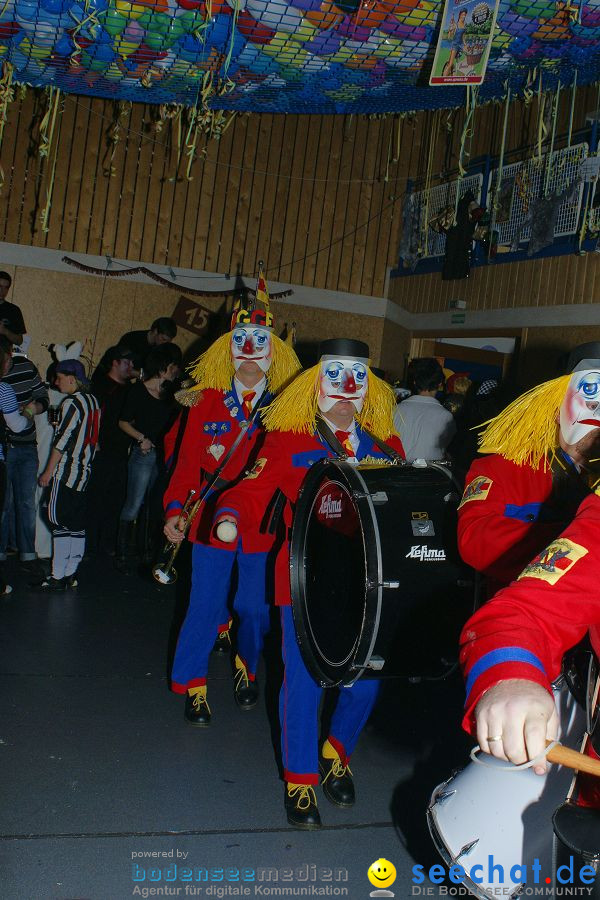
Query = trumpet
x=163 y=571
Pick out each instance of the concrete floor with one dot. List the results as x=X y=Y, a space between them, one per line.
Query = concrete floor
x=98 y=765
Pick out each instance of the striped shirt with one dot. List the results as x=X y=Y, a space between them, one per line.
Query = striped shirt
x=8 y=405
x=76 y=437
x=25 y=379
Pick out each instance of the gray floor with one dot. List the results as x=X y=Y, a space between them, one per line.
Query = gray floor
x=98 y=765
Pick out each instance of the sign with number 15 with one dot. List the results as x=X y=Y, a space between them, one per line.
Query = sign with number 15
x=191 y=316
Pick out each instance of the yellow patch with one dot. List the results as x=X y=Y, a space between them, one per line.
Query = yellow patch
x=553 y=562
x=257 y=467
x=478 y=489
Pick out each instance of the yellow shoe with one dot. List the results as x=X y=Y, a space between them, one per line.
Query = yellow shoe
x=301 y=806
x=246 y=691
x=197 y=710
x=223 y=641
x=337 y=782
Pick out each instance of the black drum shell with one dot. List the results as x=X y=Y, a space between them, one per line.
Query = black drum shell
x=409 y=595
x=577 y=844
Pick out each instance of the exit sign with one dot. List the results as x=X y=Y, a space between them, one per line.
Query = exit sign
x=457 y=318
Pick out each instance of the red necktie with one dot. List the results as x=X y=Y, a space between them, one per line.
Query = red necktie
x=248 y=397
x=344 y=439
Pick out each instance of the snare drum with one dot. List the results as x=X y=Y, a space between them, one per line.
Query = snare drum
x=378 y=587
x=486 y=811
x=577 y=844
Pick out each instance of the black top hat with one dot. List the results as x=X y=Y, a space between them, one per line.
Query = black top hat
x=344 y=347
x=585 y=356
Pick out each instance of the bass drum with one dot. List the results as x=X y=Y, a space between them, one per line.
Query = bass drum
x=378 y=588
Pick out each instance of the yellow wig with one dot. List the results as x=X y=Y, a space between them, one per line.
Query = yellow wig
x=295 y=409
x=526 y=432
x=214 y=368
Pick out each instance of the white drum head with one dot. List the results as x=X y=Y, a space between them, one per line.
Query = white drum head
x=488 y=811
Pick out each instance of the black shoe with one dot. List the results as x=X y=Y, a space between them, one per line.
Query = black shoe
x=71 y=581
x=222 y=643
x=246 y=691
x=197 y=710
x=32 y=568
x=50 y=584
x=301 y=807
x=337 y=782
x=125 y=543
x=122 y=565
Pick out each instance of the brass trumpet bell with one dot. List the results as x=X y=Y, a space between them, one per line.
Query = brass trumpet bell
x=163 y=571
x=163 y=574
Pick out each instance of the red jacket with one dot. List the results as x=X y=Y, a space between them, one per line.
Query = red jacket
x=524 y=631
x=212 y=426
x=282 y=463
x=507 y=514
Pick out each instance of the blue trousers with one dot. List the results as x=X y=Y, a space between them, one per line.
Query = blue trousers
x=299 y=712
x=21 y=477
x=211 y=579
x=141 y=475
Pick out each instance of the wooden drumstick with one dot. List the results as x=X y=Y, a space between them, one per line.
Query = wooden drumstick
x=564 y=756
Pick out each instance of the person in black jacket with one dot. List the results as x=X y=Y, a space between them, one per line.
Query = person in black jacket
x=162 y=331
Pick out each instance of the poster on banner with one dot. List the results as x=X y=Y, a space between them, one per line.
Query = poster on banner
x=464 y=42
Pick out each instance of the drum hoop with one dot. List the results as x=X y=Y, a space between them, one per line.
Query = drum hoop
x=347 y=472
x=374 y=584
x=450 y=860
x=315 y=643
x=296 y=564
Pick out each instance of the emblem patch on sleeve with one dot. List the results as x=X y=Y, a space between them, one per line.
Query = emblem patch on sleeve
x=478 y=489
x=553 y=562
x=257 y=467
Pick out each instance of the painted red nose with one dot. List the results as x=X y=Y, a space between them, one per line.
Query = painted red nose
x=348 y=382
x=248 y=347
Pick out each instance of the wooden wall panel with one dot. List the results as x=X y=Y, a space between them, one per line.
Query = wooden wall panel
x=61 y=307
x=544 y=347
x=553 y=281
x=317 y=213
x=318 y=198
x=395 y=348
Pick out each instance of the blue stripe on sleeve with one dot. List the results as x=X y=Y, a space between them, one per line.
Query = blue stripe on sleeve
x=502 y=655
x=8 y=398
x=528 y=512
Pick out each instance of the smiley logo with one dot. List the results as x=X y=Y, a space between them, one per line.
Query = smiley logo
x=381 y=873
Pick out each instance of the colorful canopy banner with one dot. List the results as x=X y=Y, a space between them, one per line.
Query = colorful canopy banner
x=327 y=57
x=464 y=42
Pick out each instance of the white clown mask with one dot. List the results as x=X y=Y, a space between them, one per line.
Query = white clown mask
x=580 y=410
x=342 y=379
x=251 y=343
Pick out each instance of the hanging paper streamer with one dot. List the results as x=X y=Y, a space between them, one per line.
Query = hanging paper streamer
x=464 y=42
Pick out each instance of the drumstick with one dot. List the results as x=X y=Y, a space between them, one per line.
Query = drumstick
x=564 y=756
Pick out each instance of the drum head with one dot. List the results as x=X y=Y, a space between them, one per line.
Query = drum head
x=329 y=571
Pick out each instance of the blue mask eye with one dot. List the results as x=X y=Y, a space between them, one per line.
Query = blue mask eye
x=239 y=337
x=333 y=373
x=360 y=373
x=590 y=388
x=260 y=340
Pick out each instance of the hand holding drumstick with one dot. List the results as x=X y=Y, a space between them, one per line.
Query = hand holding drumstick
x=516 y=720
